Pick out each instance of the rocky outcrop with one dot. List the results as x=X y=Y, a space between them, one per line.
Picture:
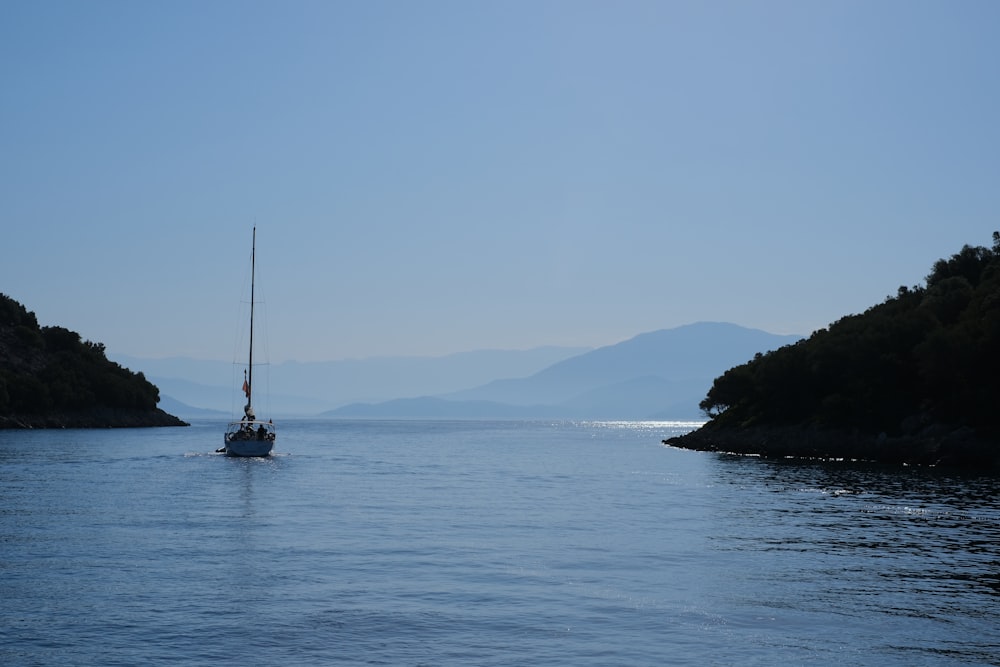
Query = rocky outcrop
x=94 y=418
x=934 y=444
x=51 y=378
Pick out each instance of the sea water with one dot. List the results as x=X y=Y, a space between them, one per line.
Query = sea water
x=483 y=543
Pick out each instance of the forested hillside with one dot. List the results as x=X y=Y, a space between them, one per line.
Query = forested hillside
x=913 y=378
x=49 y=377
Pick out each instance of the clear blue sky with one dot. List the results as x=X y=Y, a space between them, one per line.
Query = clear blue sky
x=432 y=177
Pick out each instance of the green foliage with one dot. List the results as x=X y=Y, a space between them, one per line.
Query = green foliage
x=968 y=263
x=13 y=314
x=30 y=337
x=928 y=353
x=58 y=339
x=27 y=395
x=50 y=369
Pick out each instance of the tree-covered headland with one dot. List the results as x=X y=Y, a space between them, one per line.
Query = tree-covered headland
x=50 y=378
x=914 y=379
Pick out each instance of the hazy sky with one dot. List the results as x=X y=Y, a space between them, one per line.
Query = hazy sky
x=431 y=177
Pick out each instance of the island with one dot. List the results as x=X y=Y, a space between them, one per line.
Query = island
x=50 y=378
x=912 y=380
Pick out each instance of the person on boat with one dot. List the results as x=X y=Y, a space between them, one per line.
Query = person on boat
x=261 y=432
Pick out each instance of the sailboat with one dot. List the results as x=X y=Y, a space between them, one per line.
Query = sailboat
x=249 y=436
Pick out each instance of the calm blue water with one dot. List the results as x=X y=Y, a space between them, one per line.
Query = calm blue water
x=483 y=543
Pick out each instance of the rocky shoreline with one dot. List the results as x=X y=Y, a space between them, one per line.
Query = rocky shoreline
x=933 y=445
x=93 y=418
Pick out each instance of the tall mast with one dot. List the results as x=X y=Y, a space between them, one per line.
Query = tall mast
x=253 y=259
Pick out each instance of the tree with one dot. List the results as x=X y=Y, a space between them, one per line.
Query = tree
x=929 y=352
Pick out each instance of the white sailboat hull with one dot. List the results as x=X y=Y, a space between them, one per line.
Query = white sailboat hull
x=249 y=438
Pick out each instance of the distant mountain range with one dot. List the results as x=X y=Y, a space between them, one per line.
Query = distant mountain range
x=196 y=387
x=658 y=375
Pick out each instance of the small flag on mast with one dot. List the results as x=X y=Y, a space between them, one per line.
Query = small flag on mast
x=246 y=386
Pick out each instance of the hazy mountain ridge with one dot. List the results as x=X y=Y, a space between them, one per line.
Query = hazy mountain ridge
x=657 y=375
x=309 y=388
x=662 y=374
x=689 y=354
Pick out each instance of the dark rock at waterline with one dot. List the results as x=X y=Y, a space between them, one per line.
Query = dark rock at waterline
x=93 y=418
x=935 y=444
